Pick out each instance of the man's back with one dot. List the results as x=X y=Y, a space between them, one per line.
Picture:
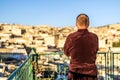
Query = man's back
x=82 y=50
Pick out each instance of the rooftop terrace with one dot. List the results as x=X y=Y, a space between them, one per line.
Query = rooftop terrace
x=54 y=66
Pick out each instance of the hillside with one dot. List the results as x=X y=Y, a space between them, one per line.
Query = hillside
x=42 y=37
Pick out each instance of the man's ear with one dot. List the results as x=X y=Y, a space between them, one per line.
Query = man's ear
x=76 y=25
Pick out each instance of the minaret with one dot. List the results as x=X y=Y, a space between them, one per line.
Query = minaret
x=56 y=40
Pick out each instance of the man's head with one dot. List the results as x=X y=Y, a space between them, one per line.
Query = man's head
x=82 y=21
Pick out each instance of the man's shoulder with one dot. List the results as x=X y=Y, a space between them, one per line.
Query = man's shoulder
x=72 y=34
x=93 y=34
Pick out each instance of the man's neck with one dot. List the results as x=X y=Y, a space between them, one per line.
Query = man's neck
x=81 y=28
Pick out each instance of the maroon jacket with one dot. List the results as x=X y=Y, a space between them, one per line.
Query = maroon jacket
x=82 y=47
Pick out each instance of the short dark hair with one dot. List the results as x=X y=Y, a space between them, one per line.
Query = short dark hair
x=82 y=19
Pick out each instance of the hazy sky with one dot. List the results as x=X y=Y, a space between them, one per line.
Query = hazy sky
x=59 y=12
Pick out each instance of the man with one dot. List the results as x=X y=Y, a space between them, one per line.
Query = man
x=82 y=46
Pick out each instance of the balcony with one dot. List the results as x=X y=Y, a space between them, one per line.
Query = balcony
x=54 y=66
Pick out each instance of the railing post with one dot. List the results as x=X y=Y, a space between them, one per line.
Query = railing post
x=105 y=66
x=109 y=65
x=33 y=67
x=34 y=63
x=112 y=64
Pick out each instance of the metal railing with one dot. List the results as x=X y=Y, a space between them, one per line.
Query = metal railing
x=108 y=65
x=54 y=66
x=25 y=70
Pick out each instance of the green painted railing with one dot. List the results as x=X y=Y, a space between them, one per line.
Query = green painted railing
x=54 y=66
x=25 y=70
x=108 y=65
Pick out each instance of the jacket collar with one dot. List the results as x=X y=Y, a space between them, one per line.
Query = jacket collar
x=82 y=30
